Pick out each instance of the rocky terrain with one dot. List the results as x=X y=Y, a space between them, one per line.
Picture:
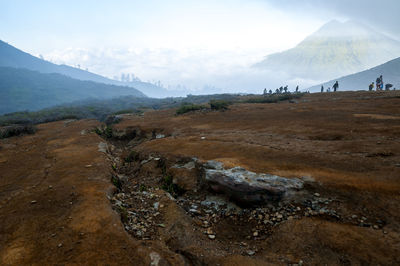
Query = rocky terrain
x=307 y=182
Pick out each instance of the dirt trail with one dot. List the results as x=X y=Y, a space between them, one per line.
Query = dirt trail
x=53 y=201
x=59 y=206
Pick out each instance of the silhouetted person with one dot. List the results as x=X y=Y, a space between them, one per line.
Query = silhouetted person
x=329 y=89
x=322 y=88
x=297 y=88
x=371 y=86
x=378 y=83
x=381 y=79
x=336 y=86
x=388 y=86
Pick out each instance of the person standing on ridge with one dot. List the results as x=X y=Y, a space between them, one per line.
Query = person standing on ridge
x=322 y=88
x=335 y=86
x=381 y=79
x=378 y=83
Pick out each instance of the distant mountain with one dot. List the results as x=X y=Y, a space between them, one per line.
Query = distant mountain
x=23 y=89
x=336 y=49
x=13 y=57
x=360 y=81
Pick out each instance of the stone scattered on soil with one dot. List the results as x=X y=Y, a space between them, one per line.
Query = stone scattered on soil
x=249 y=187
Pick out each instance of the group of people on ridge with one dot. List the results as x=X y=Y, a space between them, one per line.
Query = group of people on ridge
x=280 y=90
x=379 y=84
x=335 y=87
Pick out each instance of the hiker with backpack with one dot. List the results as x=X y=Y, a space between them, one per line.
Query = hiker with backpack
x=371 y=86
x=335 y=86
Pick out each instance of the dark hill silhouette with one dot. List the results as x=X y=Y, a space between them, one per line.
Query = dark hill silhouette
x=360 y=81
x=13 y=57
x=23 y=89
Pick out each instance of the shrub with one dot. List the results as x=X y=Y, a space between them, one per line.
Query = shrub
x=170 y=187
x=108 y=132
x=219 y=104
x=274 y=98
x=116 y=182
x=185 y=108
x=133 y=156
x=16 y=130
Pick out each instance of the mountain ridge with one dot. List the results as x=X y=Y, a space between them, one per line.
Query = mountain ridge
x=361 y=80
x=11 y=56
x=336 y=49
x=23 y=89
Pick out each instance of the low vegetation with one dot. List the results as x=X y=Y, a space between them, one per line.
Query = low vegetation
x=185 y=108
x=274 y=98
x=16 y=130
x=170 y=187
x=219 y=104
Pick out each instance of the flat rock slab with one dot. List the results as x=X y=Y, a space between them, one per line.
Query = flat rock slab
x=249 y=187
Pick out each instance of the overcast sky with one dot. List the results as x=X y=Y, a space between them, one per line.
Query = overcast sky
x=178 y=41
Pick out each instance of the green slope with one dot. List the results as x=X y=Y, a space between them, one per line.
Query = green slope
x=22 y=89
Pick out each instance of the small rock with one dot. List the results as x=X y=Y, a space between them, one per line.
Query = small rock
x=298 y=209
x=251 y=252
x=194 y=211
x=203 y=138
x=60 y=245
x=353 y=216
x=161 y=225
x=255 y=234
x=212 y=237
x=317 y=194
x=33 y=202
x=88 y=165
x=376 y=227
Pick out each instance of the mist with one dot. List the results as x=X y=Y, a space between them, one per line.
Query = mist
x=188 y=46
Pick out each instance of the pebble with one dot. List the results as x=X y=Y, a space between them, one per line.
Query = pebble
x=255 y=234
x=317 y=194
x=212 y=237
x=60 y=245
x=251 y=252
x=354 y=216
x=376 y=227
x=33 y=202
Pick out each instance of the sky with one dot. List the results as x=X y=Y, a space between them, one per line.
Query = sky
x=178 y=42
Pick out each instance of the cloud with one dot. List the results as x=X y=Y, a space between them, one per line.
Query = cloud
x=383 y=14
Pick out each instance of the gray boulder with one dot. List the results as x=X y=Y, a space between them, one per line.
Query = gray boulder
x=248 y=187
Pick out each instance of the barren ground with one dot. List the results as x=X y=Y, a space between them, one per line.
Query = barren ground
x=58 y=204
